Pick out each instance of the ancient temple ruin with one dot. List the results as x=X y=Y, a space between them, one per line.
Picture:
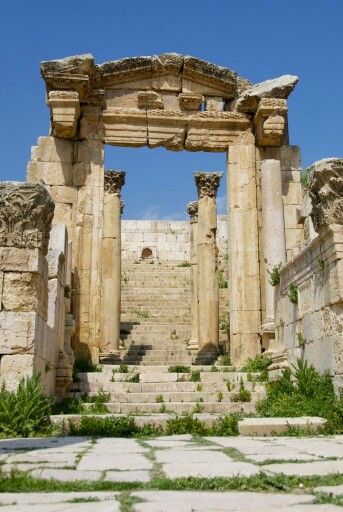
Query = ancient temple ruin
x=60 y=232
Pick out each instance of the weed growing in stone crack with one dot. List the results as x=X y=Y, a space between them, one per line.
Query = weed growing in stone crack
x=235 y=454
x=159 y=399
x=274 y=274
x=179 y=369
x=324 y=498
x=88 y=499
x=127 y=501
x=243 y=394
x=195 y=376
x=293 y=293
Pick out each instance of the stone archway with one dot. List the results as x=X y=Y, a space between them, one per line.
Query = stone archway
x=181 y=103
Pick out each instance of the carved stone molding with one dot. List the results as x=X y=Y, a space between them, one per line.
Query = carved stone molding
x=26 y=212
x=192 y=209
x=207 y=183
x=270 y=121
x=114 y=180
x=326 y=192
x=65 y=112
x=189 y=101
x=150 y=99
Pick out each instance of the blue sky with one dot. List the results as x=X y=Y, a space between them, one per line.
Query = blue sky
x=259 y=39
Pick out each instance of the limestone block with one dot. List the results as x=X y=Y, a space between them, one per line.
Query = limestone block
x=243 y=346
x=57 y=252
x=290 y=158
x=51 y=173
x=123 y=98
x=189 y=101
x=14 y=367
x=63 y=194
x=166 y=129
x=293 y=237
x=291 y=216
x=51 y=149
x=171 y=102
x=65 y=111
x=125 y=127
x=245 y=322
x=280 y=87
x=292 y=193
x=23 y=291
x=64 y=215
x=15 y=259
x=150 y=100
x=19 y=331
x=214 y=104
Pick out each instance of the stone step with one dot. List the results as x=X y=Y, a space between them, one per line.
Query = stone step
x=272 y=426
x=174 y=397
x=181 y=407
x=228 y=371
x=148 y=387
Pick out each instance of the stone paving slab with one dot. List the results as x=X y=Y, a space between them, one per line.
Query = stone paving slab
x=191 y=456
x=322 y=467
x=335 y=490
x=120 y=462
x=171 y=501
x=32 y=498
x=209 y=470
x=66 y=475
x=127 y=476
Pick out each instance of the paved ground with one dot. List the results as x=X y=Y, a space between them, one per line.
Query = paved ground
x=129 y=460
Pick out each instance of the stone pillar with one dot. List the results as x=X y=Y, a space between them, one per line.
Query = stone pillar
x=274 y=243
x=26 y=211
x=244 y=281
x=192 y=210
x=111 y=267
x=208 y=287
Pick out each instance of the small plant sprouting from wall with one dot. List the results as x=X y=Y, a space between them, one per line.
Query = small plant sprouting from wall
x=304 y=177
x=243 y=394
x=222 y=280
x=274 y=274
x=301 y=340
x=68 y=291
x=184 y=264
x=293 y=293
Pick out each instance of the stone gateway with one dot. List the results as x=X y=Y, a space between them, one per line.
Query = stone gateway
x=61 y=271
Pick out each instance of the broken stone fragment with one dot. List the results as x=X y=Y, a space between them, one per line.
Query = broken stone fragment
x=280 y=87
x=76 y=64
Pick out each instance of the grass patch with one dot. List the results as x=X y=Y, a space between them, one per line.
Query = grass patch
x=20 y=482
x=195 y=376
x=76 y=405
x=179 y=369
x=184 y=264
x=302 y=391
x=243 y=394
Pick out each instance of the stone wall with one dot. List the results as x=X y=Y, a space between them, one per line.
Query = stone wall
x=168 y=240
x=312 y=325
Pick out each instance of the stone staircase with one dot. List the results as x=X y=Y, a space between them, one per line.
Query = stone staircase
x=150 y=390
x=155 y=313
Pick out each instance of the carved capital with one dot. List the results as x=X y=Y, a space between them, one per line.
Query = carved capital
x=207 y=183
x=65 y=112
x=326 y=192
x=26 y=212
x=270 y=121
x=192 y=209
x=114 y=180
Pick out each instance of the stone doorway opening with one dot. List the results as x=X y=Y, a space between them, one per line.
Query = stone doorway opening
x=155 y=242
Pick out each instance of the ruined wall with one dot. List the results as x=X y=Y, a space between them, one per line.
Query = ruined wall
x=312 y=326
x=168 y=240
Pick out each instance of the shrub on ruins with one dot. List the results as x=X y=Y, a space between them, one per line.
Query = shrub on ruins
x=26 y=411
x=76 y=405
x=243 y=394
x=179 y=369
x=258 y=364
x=105 y=427
x=303 y=391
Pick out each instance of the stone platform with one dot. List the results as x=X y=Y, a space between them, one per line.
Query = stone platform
x=145 y=463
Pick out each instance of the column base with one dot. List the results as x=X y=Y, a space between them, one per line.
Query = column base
x=279 y=362
x=110 y=358
x=193 y=345
x=267 y=332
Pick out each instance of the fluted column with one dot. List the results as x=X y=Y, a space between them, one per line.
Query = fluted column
x=274 y=243
x=192 y=210
x=208 y=289
x=111 y=267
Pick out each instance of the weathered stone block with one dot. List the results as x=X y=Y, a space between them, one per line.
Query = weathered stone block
x=23 y=291
x=14 y=367
x=51 y=149
x=19 y=331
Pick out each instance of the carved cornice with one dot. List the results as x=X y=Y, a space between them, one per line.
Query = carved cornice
x=26 y=212
x=113 y=182
x=192 y=210
x=65 y=112
x=326 y=192
x=270 y=121
x=207 y=183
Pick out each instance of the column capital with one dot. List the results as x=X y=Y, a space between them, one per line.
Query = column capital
x=192 y=210
x=114 y=180
x=26 y=212
x=207 y=183
x=326 y=192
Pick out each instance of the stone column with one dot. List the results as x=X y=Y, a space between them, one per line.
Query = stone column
x=274 y=244
x=208 y=288
x=192 y=210
x=244 y=281
x=111 y=267
x=26 y=344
